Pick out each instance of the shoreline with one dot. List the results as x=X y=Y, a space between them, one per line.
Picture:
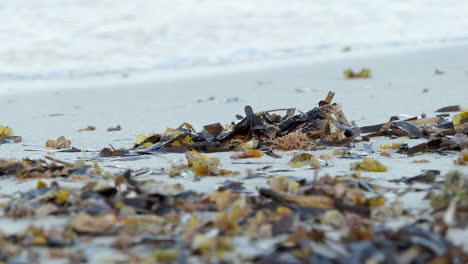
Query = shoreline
x=105 y=80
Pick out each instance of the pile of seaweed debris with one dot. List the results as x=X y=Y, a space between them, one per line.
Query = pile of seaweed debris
x=324 y=125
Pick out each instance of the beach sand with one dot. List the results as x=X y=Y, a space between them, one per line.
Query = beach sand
x=151 y=102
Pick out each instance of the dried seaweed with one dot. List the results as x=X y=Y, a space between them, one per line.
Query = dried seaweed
x=363 y=73
x=451 y=108
x=247 y=154
x=368 y=164
x=441 y=133
x=59 y=143
x=88 y=128
x=6 y=131
x=117 y=128
x=199 y=165
x=27 y=168
x=438 y=72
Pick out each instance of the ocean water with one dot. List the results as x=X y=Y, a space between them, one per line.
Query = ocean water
x=49 y=39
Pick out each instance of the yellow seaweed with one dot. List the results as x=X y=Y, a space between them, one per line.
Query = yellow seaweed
x=166 y=255
x=6 y=131
x=301 y=160
x=249 y=145
x=364 y=73
x=60 y=143
x=376 y=202
x=369 y=164
x=63 y=195
x=200 y=164
x=457 y=118
x=391 y=146
x=247 y=154
x=147 y=140
x=40 y=184
x=185 y=141
x=283 y=184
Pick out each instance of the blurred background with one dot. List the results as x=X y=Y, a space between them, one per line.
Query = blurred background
x=49 y=39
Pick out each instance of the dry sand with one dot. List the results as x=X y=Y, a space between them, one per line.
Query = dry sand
x=144 y=103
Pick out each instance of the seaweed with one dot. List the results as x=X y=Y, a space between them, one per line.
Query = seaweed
x=7 y=135
x=59 y=143
x=324 y=125
x=363 y=73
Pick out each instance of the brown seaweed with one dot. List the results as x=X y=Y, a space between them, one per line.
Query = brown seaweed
x=451 y=108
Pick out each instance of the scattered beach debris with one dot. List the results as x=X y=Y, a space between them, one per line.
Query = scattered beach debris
x=441 y=133
x=208 y=226
x=318 y=218
x=438 y=72
x=117 y=128
x=385 y=154
x=112 y=152
x=41 y=168
x=86 y=223
x=391 y=146
x=247 y=154
x=88 y=128
x=59 y=143
x=420 y=161
x=304 y=159
x=291 y=219
x=363 y=73
x=56 y=114
x=199 y=165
